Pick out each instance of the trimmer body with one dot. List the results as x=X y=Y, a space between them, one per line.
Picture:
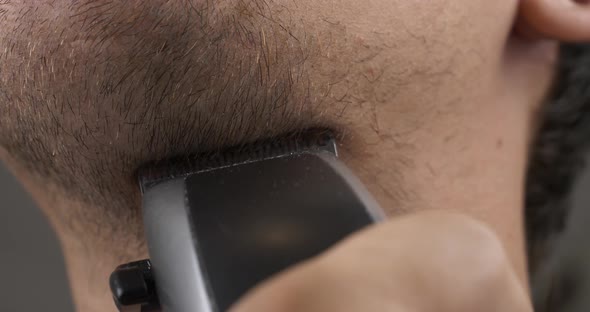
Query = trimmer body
x=217 y=231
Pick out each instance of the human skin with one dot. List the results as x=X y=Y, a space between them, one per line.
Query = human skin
x=434 y=103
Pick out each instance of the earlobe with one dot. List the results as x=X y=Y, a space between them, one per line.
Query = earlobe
x=561 y=20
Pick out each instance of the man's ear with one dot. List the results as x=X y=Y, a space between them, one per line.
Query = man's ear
x=562 y=20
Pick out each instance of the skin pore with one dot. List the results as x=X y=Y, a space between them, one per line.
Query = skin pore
x=434 y=103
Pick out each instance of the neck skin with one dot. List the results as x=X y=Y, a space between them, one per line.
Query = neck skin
x=476 y=164
x=467 y=156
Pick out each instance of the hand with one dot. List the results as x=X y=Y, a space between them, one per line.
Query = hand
x=426 y=262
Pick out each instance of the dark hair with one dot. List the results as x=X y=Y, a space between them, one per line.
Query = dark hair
x=557 y=156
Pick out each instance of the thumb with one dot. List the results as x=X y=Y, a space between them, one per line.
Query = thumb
x=426 y=262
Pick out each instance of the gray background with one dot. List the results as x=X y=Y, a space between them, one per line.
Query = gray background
x=32 y=275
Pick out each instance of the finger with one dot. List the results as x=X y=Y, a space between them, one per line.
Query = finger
x=427 y=262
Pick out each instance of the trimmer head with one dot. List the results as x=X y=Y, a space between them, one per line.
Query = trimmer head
x=311 y=141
